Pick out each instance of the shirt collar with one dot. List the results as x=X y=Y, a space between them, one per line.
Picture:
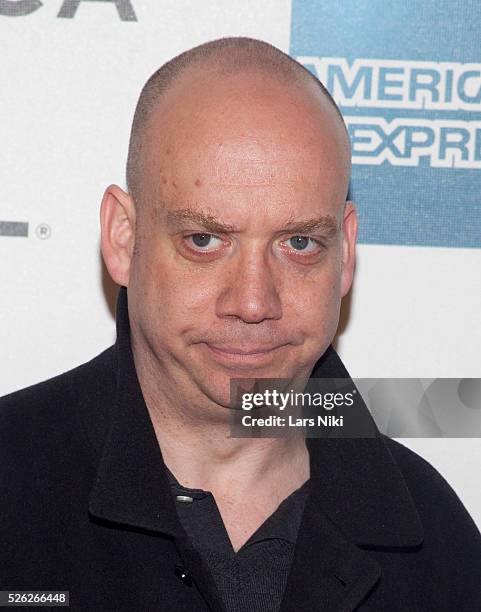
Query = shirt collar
x=355 y=481
x=283 y=524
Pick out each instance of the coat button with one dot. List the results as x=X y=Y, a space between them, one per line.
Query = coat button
x=183 y=575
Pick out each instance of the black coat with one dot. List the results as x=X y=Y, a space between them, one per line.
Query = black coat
x=85 y=507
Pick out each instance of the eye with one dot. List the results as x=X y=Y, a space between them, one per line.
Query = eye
x=203 y=241
x=303 y=244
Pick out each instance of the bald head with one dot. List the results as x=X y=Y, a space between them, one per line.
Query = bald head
x=225 y=57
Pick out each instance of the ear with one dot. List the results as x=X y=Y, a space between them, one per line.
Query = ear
x=349 y=225
x=117 y=221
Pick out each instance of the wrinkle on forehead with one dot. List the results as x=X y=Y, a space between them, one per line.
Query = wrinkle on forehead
x=240 y=162
x=213 y=137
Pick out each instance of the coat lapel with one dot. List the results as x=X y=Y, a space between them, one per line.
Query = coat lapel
x=358 y=500
x=131 y=486
x=328 y=572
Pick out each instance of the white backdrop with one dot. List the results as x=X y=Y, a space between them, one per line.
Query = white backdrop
x=69 y=86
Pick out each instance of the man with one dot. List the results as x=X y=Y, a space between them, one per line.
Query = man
x=233 y=247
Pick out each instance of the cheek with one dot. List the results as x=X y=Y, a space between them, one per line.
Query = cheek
x=177 y=297
x=313 y=304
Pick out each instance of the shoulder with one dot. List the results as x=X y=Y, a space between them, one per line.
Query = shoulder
x=425 y=483
x=451 y=551
x=48 y=412
x=447 y=523
x=48 y=463
x=53 y=394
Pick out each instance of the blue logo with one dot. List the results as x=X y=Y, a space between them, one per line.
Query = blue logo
x=407 y=77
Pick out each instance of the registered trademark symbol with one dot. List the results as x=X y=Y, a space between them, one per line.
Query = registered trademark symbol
x=43 y=231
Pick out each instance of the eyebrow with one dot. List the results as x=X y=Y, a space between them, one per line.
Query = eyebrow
x=327 y=224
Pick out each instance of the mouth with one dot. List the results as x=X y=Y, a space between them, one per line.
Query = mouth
x=234 y=355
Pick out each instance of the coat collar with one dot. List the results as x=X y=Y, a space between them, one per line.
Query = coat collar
x=359 y=495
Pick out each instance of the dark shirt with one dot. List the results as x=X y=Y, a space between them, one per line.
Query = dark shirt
x=252 y=579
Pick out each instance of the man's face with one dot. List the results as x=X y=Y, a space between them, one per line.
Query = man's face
x=238 y=270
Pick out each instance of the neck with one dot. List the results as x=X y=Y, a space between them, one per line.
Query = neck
x=194 y=438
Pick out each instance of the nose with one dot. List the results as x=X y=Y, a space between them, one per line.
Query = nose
x=250 y=291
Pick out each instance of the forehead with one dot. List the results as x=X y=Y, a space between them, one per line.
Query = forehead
x=243 y=137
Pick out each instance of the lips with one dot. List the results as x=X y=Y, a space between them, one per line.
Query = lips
x=242 y=357
x=237 y=351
